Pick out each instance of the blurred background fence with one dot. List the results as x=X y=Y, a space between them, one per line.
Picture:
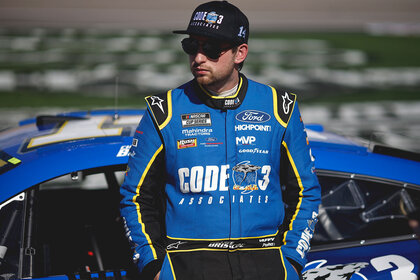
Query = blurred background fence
x=354 y=64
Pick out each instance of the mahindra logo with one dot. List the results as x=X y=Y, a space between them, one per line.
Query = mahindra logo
x=253 y=116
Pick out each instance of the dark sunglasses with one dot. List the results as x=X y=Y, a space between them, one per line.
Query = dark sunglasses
x=210 y=49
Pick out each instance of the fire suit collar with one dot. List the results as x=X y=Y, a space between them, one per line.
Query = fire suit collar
x=224 y=103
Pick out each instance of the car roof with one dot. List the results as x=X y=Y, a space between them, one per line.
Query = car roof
x=46 y=147
x=359 y=157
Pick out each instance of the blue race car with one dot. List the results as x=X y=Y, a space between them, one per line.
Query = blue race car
x=59 y=195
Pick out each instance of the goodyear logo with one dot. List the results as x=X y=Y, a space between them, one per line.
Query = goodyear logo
x=186 y=143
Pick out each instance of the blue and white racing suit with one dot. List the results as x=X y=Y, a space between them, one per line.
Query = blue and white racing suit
x=220 y=188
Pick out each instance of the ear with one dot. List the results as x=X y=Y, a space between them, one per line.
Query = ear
x=241 y=53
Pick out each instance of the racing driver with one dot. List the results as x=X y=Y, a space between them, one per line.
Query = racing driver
x=220 y=181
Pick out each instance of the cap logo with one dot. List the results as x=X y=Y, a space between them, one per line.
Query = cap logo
x=242 y=32
x=211 y=17
x=207 y=19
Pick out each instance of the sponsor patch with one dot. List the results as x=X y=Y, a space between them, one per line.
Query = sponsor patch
x=253 y=127
x=253 y=116
x=186 y=143
x=245 y=140
x=245 y=177
x=211 y=142
x=196 y=119
x=253 y=151
x=193 y=132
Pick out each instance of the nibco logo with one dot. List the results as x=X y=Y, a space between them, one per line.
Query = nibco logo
x=253 y=116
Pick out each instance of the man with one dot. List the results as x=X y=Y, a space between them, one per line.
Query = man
x=220 y=181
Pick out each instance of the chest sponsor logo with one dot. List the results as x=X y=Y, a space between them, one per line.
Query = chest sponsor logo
x=193 y=132
x=245 y=140
x=211 y=142
x=212 y=178
x=196 y=119
x=186 y=143
x=245 y=177
x=253 y=151
x=253 y=116
x=252 y=127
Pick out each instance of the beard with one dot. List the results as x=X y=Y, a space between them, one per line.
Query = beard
x=213 y=79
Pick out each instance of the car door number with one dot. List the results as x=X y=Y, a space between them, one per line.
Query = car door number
x=404 y=267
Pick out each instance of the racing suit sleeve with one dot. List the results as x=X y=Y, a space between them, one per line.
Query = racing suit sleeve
x=143 y=200
x=301 y=191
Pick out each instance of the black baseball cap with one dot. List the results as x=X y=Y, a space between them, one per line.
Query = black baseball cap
x=220 y=20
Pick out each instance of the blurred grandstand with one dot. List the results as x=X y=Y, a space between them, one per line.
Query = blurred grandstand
x=77 y=54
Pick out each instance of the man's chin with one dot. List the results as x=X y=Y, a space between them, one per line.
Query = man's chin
x=203 y=80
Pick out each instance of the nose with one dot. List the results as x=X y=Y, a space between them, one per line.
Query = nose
x=199 y=57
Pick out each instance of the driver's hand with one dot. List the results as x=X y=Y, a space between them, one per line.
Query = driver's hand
x=157 y=276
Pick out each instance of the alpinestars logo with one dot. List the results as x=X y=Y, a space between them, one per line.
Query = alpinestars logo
x=175 y=245
x=286 y=103
x=158 y=101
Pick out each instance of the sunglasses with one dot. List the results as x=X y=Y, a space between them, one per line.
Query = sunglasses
x=211 y=49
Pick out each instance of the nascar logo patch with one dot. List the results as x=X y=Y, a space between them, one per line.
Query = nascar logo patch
x=196 y=119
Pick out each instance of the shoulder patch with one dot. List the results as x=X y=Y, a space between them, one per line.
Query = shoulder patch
x=285 y=105
x=160 y=107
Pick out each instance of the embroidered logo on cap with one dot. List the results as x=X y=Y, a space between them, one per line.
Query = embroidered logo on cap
x=207 y=19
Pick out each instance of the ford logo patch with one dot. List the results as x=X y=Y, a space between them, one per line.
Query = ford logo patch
x=253 y=116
